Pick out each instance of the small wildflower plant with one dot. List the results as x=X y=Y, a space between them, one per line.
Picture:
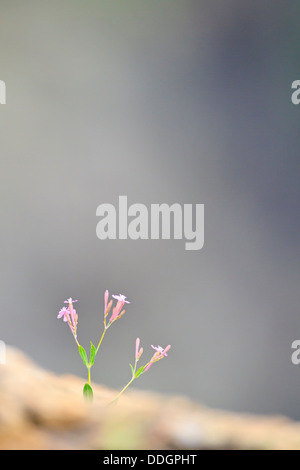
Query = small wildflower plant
x=70 y=316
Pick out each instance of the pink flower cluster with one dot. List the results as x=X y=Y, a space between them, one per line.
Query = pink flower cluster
x=117 y=310
x=69 y=315
x=159 y=354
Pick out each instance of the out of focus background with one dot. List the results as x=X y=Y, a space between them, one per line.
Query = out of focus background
x=162 y=101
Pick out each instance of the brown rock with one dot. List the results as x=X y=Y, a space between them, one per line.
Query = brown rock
x=41 y=410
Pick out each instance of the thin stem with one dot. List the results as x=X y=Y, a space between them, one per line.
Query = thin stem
x=123 y=390
x=126 y=386
x=104 y=331
x=89 y=375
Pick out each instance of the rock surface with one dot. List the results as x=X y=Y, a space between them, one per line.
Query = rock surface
x=41 y=410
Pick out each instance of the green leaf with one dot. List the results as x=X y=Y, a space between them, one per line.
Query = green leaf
x=83 y=355
x=139 y=372
x=132 y=369
x=88 y=392
x=92 y=355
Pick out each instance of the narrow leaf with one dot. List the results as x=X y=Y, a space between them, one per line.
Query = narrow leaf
x=93 y=354
x=139 y=372
x=83 y=354
x=132 y=369
x=88 y=392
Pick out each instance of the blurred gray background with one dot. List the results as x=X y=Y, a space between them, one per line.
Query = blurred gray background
x=162 y=101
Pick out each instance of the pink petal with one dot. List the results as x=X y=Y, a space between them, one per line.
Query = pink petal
x=137 y=346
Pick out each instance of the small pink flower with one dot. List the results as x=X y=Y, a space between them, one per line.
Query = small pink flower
x=72 y=311
x=106 y=295
x=121 y=298
x=120 y=304
x=74 y=317
x=116 y=311
x=159 y=354
x=161 y=350
x=138 y=351
x=64 y=312
x=137 y=346
x=70 y=301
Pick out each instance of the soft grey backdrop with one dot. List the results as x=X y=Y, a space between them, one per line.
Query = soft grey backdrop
x=162 y=101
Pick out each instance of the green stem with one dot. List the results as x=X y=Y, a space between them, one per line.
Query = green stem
x=123 y=390
x=89 y=375
x=104 y=331
x=126 y=386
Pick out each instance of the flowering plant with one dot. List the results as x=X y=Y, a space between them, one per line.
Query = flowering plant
x=70 y=316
